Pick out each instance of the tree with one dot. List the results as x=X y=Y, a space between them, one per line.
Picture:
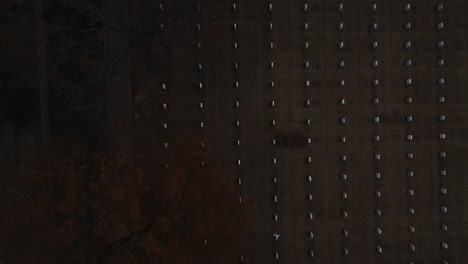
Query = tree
x=42 y=70
x=117 y=64
x=80 y=206
x=19 y=93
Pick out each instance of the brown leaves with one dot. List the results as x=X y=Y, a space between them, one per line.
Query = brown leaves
x=81 y=206
x=197 y=202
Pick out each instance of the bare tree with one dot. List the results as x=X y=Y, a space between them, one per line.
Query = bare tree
x=117 y=72
x=42 y=70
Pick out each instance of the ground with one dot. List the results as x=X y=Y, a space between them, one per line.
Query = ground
x=256 y=132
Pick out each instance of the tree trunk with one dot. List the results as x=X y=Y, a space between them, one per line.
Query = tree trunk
x=42 y=70
x=119 y=94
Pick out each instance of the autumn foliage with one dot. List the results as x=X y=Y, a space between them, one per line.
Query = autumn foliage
x=75 y=205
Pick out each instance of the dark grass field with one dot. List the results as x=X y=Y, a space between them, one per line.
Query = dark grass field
x=256 y=132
